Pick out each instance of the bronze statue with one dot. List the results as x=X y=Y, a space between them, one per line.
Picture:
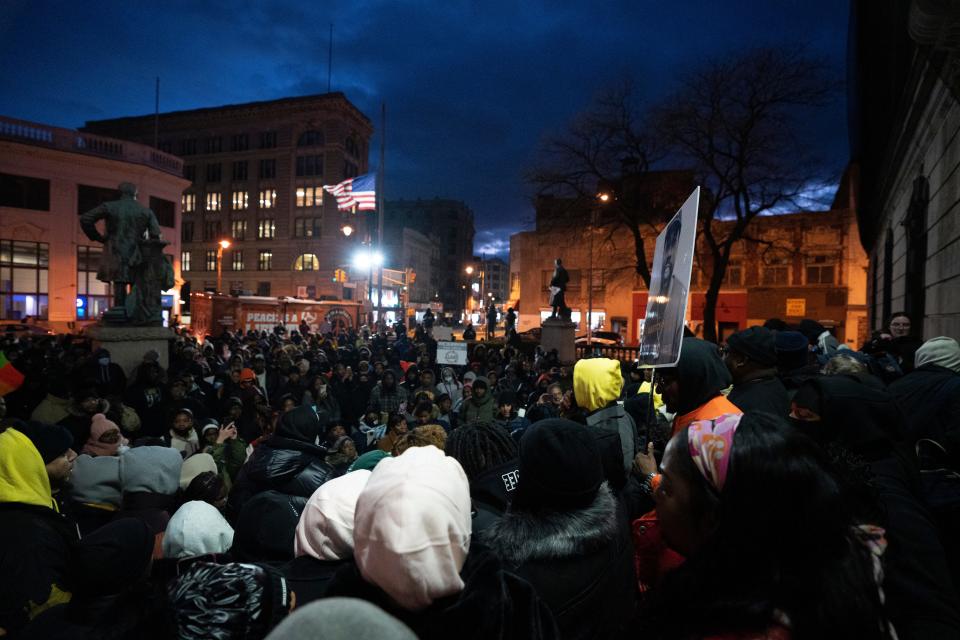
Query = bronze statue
x=558 y=286
x=132 y=255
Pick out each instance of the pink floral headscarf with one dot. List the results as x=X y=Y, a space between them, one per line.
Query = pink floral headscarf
x=710 y=443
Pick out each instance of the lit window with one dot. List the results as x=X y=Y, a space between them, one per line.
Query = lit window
x=239 y=200
x=211 y=259
x=184 y=261
x=265 y=261
x=309 y=196
x=268 y=198
x=214 y=202
x=266 y=229
x=306 y=262
x=237 y=262
x=188 y=202
x=238 y=229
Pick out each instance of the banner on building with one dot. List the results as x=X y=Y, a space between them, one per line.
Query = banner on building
x=451 y=353
x=663 y=323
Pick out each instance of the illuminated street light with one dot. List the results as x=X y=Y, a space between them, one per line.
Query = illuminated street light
x=347 y=229
x=603 y=197
x=469 y=270
x=367 y=259
x=223 y=244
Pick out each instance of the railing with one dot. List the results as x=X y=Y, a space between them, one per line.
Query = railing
x=88 y=143
x=614 y=352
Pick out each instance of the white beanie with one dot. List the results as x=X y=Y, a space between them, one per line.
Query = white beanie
x=325 y=530
x=197 y=528
x=195 y=465
x=941 y=351
x=412 y=527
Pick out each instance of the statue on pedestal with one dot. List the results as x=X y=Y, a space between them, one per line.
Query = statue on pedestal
x=558 y=285
x=132 y=255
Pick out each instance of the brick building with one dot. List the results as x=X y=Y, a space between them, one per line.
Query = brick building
x=257 y=172
x=48 y=177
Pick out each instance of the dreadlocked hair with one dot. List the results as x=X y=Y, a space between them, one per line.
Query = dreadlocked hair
x=480 y=446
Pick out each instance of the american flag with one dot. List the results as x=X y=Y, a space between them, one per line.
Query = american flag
x=360 y=191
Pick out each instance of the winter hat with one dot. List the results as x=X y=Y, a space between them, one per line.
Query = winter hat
x=266 y=527
x=597 y=382
x=96 y=479
x=342 y=619
x=196 y=529
x=507 y=397
x=790 y=341
x=811 y=329
x=412 y=527
x=150 y=470
x=325 y=530
x=757 y=343
x=51 y=440
x=100 y=425
x=247 y=374
x=941 y=351
x=481 y=382
x=194 y=466
x=469 y=377
x=208 y=427
x=560 y=466
x=368 y=461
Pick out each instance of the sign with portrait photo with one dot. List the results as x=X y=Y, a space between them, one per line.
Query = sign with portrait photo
x=663 y=322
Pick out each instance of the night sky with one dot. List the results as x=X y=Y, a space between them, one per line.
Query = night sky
x=470 y=87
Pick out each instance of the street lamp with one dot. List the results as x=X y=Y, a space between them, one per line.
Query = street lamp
x=604 y=196
x=223 y=244
x=347 y=229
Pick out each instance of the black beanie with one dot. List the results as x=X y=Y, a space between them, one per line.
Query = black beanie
x=560 y=466
x=51 y=440
x=507 y=397
x=757 y=343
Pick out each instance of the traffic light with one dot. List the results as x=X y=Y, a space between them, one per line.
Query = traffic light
x=339 y=275
x=410 y=277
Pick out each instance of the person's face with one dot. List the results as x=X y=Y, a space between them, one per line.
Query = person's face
x=467 y=393
x=680 y=525
x=90 y=405
x=734 y=362
x=446 y=405
x=492 y=376
x=288 y=405
x=210 y=436
x=60 y=468
x=505 y=410
x=236 y=411
x=235 y=376
x=178 y=392
x=378 y=368
x=668 y=385
x=259 y=365
x=426 y=380
x=900 y=326
x=423 y=417
x=337 y=431
x=557 y=394
x=153 y=375
x=110 y=437
x=349 y=449
x=371 y=418
x=400 y=427
x=479 y=392
x=182 y=423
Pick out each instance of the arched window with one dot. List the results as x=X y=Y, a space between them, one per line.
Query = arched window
x=312 y=138
x=306 y=262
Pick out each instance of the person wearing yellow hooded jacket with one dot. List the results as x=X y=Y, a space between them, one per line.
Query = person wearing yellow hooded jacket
x=597 y=383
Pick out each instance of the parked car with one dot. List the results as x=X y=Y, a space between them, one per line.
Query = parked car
x=530 y=335
x=602 y=338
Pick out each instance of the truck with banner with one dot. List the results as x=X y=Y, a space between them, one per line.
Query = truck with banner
x=212 y=314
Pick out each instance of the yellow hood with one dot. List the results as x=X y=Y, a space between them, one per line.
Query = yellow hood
x=597 y=382
x=23 y=476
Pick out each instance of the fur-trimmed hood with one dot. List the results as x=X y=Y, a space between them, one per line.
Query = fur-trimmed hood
x=523 y=536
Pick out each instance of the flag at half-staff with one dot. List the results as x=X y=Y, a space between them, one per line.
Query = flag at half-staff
x=360 y=191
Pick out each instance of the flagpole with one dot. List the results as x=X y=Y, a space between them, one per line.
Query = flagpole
x=383 y=144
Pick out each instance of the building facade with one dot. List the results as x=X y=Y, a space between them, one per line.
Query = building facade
x=48 y=177
x=418 y=253
x=257 y=172
x=904 y=113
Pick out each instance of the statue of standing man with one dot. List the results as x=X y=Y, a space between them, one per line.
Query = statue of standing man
x=558 y=286
x=128 y=225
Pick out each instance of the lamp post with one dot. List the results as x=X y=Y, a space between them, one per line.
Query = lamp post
x=603 y=197
x=223 y=244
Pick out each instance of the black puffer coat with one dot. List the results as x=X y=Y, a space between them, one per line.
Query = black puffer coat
x=289 y=461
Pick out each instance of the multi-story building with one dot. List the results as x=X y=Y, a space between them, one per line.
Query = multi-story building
x=257 y=172
x=48 y=177
x=496 y=278
x=417 y=252
x=904 y=112
x=802 y=265
x=449 y=225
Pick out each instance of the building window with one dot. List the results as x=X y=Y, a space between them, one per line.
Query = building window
x=24 y=192
x=211 y=231
x=188 y=147
x=734 y=274
x=309 y=166
x=306 y=262
x=163 y=210
x=263 y=288
x=311 y=139
x=93 y=296
x=89 y=197
x=240 y=142
x=350 y=145
x=237 y=262
x=211 y=261
x=266 y=229
x=185 y=261
x=238 y=229
x=188 y=202
x=268 y=168
x=309 y=196
x=186 y=232
x=213 y=144
x=239 y=200
x=190 y=172
x=776 y=271
x=268 y=198
x=268 y=139
x=818 y=271
x=350 y=169
x=214 y=202
x=239 y=171
x=265 y=260
x=24 y=269
x=307 y=227
x=214 y=172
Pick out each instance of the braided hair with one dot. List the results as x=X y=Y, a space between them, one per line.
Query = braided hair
x=480 y=446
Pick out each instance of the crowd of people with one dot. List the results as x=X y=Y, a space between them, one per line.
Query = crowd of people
x=289 y=484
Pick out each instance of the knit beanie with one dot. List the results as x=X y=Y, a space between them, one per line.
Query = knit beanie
x=325 y=530
x=412 y=527
x=791 y=341
x=560 y=466
x=941 y=351
x=51 y=440
x=99 y=425
x=194 y=466
x=342 y=619
x=96 y=479
x=368 y=461
x=150 y=470
x=757 y=343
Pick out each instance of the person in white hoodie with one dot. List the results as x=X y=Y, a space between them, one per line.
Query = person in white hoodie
x=197 y=529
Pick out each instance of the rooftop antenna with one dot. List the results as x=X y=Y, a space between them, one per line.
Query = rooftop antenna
x=330 y=59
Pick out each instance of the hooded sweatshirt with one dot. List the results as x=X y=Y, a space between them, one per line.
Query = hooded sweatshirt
x=597 y=383
x=151 y=470
x=412 y=527
x=196 y=529
x=702 y=378
x=96 y=481
x=325 y=530
x=23 y=476
x=195 y=465
x=478 y=409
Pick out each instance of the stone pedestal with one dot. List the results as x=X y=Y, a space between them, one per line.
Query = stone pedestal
x=127 y=345
x=560 y=335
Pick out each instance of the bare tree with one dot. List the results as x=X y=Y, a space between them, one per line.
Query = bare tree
x=737 y=123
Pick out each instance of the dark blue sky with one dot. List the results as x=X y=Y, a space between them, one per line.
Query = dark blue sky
x=470 y=87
